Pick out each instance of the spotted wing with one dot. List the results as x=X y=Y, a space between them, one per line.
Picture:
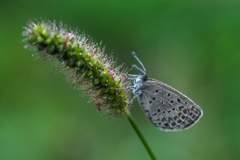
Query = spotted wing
x=167 y=108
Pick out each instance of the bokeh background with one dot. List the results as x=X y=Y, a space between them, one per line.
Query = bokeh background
x=193 y=46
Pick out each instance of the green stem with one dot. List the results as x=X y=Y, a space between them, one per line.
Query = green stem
x=147 y=147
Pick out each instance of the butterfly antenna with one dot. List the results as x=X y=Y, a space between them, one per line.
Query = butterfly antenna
x=134 y=66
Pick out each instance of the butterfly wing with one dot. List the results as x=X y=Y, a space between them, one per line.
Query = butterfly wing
x=167 y=108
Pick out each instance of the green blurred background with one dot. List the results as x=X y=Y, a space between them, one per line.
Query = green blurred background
x=192 y=46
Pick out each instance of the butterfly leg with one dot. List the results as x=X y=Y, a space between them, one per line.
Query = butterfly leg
x=132 y=76
x=136 y=94
x=131 y=100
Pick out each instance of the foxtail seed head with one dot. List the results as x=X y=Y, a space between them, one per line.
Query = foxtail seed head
x=83 y=62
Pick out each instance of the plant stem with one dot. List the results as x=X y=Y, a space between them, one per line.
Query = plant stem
x=147 y=147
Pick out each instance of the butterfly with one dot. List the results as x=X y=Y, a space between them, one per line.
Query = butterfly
x=167 y=108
